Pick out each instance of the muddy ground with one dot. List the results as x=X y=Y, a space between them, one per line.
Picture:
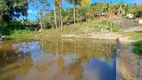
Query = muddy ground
x=131 y=63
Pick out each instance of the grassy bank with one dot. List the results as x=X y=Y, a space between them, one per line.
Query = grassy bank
x=78 y=28
x=137 y=47
x=133 y=35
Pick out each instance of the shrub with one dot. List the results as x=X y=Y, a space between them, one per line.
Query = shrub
x=137 y=47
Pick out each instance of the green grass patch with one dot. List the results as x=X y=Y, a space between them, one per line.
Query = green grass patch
x=133 y=35
x=78 y=28
x=137 y=47
x=92 y=26
x=21 y=33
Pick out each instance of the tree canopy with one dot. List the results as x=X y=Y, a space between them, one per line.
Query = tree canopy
x=10 y=9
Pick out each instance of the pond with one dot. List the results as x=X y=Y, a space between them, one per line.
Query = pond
x=59 y=59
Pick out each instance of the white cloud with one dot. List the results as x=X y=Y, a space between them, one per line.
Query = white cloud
x=31 y=11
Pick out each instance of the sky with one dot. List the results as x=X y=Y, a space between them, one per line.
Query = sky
x=32 y=12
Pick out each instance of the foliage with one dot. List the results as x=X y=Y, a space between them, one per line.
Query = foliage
x=83 y=13
x=79 y=14
x=133 y=35
x=84 y=2
x=121 y=9
x=16 y=33
x=14 y=25
x=86 y=27
x=10 y=9
x=138 y=47
x=135 y=9
x=42 y=9
x=75 y=2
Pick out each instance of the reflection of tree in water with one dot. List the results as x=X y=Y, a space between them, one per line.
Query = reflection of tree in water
x=25 y=65
x=20 y=67
x=60 y=63
x=88 y=48
x=25 y=46
x=75 y=69
x=43 y=66
x=13 y=61
x=84 y=50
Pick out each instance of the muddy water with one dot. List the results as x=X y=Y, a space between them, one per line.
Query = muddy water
x=57 y=60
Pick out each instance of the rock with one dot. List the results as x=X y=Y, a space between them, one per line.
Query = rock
x=140 y=21
x=130 y=16
x=2 y=38
x=40 y=30
x=104 y=30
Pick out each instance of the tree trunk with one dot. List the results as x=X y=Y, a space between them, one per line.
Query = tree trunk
x=55 y=17
x=0 y=18
x=118 y=13
x=74 y=11
x=77 y=15
x=41 y=27
x=61 y=21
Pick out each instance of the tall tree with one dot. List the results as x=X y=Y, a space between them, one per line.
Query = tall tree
x=61 y=20
x=58 y=13
x=42 y=8
x=55 y=17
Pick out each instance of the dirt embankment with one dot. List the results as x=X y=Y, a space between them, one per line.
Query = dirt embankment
x=128 y=26
x=131 y=63
x=97 y=35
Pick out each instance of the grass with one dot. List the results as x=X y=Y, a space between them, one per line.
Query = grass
x=135 y=21
x=87 y=27
x=137 y=47
x=78 y=28
x=133 y=35
x=21 y=34
x=137 y=36
x=93 y=26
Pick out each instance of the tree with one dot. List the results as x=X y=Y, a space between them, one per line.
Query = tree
x=58 y=13
x=110 y=9
x=43 y=9
x=84 y=2
x=10 y=9
x=61 y=21
x=55 y=17
x=121 y=9
x=75 y=2
x=135 y=9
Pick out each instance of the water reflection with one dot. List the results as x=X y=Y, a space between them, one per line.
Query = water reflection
x=57 y=60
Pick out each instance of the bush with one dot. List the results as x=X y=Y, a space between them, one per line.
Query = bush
x=107 y=25
x=137 y=47
x=14 y=25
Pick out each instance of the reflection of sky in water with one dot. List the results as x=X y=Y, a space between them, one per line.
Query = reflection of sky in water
x=94 y=69
x=32 y=47
x=97 y=68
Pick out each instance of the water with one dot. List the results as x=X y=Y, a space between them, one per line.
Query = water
x=57 y=60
